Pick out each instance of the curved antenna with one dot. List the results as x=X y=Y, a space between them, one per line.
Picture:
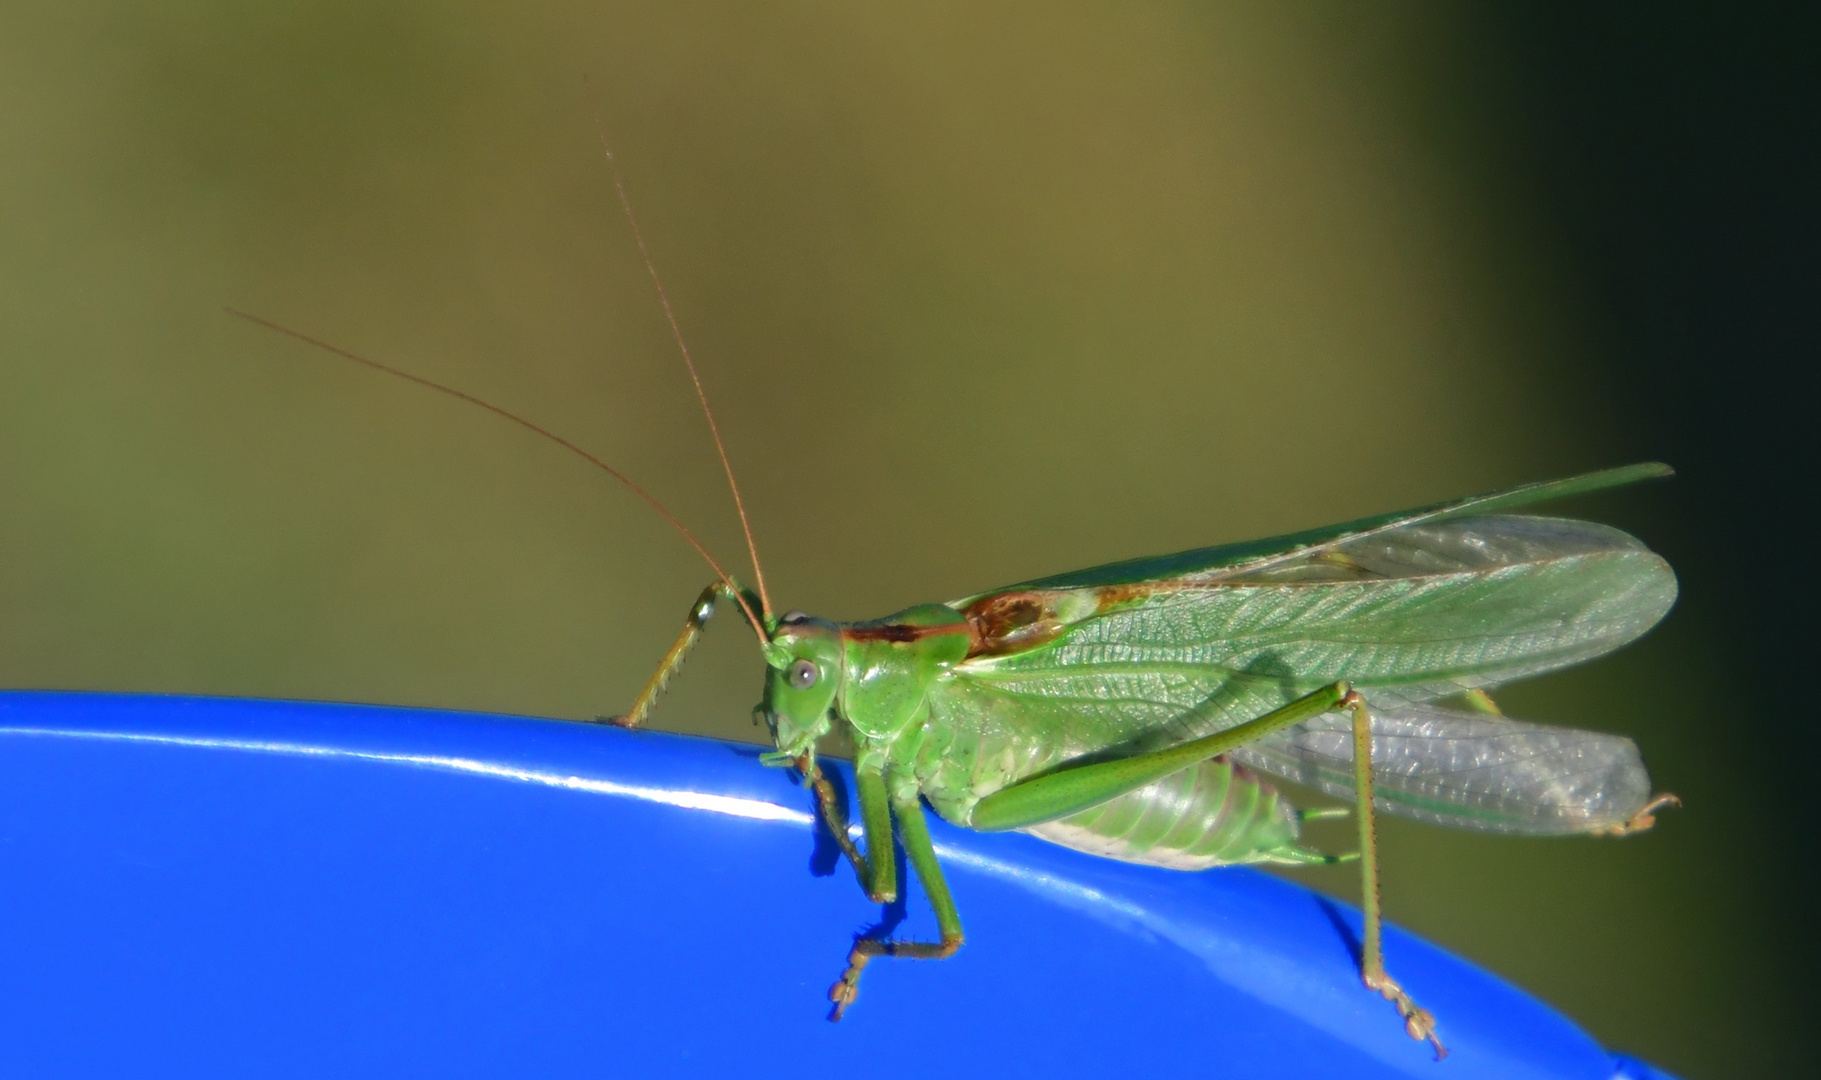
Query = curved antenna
x=524 y=423
x=676 y=331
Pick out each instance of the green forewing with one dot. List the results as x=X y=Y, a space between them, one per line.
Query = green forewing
x=1409 y=608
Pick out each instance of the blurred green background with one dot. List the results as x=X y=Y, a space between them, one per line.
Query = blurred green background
x=981 y=293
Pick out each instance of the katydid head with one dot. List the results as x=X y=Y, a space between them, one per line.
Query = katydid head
x=804 y=657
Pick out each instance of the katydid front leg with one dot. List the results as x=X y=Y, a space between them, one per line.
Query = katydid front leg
x=922 y=856
x=699 y=614
x=834 y=819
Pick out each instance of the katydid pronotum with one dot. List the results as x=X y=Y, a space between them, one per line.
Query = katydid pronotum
x=1127 y=710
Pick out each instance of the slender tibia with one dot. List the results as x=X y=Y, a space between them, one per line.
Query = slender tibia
x=833 y=817
x=1418 y=1022
x=922 y=855
x=699 y=614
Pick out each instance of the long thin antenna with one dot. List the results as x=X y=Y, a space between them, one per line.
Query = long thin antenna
x=676 y=331
x=524 y=423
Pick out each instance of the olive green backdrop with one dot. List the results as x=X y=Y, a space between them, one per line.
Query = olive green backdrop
x=980 y=293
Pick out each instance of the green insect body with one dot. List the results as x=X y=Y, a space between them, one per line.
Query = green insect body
x=889 y=683
x=1121 y=710
x=894 y=684
x=1127 y=710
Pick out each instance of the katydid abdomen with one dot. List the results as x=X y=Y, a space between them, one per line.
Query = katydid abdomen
x=1217 y=813
x=1213 y=813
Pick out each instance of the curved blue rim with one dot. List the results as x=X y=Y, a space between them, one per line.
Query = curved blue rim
x=215 y=886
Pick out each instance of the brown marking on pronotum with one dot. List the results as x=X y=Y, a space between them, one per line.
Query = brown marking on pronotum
x=898 y=632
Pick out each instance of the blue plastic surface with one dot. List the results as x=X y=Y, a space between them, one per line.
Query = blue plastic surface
x=205 y=887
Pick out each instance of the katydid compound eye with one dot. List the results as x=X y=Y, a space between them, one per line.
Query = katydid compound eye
x=803 y=674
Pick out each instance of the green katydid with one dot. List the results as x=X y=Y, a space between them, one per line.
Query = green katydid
x=1115 y=710
x=1127 y=710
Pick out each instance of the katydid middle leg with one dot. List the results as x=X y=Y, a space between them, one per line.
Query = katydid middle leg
x=879 y=877
x=881 y=880
x=921 y=853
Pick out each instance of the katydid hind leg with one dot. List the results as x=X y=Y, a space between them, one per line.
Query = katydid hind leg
x=913 y=828
x=1072 y=789
x=1419 y=1023
x=699 y=614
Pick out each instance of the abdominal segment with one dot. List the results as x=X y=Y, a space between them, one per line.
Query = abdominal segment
x=1217 y=813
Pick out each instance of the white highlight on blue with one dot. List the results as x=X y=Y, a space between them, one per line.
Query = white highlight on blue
x=732 y=806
